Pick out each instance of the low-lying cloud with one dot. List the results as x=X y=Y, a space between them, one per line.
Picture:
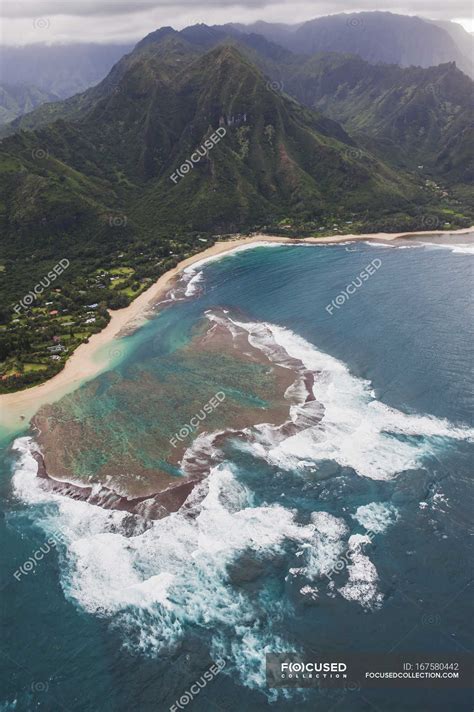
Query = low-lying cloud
x=31 y=21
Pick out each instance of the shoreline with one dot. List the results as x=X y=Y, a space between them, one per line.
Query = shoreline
x=88 y=360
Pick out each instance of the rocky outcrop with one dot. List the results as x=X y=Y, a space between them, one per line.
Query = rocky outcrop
x=154 y=506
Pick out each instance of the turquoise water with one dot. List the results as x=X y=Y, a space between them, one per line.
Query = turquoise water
x=112 y=621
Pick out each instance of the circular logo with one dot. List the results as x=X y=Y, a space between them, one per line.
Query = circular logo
x=39 y=154
x=117 y=220
x=275 y=85
x=41 y=23
x=39 y=687
x=355 y=22
x=28 y=566
x=430 y=221
x=185 y=431
x=354 y=153
x=116 y=352
x=28 y=299
x=431 y=619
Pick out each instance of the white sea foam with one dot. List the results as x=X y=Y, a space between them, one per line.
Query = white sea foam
x=193 y=276
x=197 y=266
x=177 y=569
x=356 y=430
x=156 y=585
x=462 y=248
x=192 y=286
x=362 y=583
x=175 y=575
x=372 y=243
x=439 y=502
x=328 y=552
x=310 y=592
x=326 y=546
x=458 y=248
x=376 y=517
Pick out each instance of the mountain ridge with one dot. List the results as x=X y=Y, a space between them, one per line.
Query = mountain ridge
x=65 y=70
x=178 y=144
x=377 y=36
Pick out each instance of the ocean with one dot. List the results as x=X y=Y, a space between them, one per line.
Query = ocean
x=343 y=527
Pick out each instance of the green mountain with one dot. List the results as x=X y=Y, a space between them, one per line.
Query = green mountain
x=409 y=116
x=276 y=159
x=166 y=55
x=376 y=37
x=177 y=144
x=116 y=147
x=16 y=100
x=60 y=71
x=124 y=139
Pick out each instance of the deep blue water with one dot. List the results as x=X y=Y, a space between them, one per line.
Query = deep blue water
x=106 y=622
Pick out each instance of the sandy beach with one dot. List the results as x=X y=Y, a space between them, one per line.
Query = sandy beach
x=92 y=358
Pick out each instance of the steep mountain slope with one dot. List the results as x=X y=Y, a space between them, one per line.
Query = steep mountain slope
x=374 y=36
x=464 y=40
x=176 y=145
x=100 y=184
x=63 y=70
x=122 y=142
x=16 y=100
x=407 y=116
x=167 y=53
x=411 y=116
x=277 y=158
x=171 y=49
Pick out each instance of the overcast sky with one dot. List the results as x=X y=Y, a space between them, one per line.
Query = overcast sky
x=30 y=21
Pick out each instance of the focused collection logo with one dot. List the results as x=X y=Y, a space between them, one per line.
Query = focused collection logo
x=362 y=670
x=289 y=670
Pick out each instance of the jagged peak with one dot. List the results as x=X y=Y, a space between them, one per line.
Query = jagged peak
x=156 y=36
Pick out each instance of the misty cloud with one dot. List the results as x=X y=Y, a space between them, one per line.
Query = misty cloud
x=85 y=8
x=31 y=21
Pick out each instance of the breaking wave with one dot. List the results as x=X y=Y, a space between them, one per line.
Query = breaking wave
x=355 y=430
x=180 y=573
